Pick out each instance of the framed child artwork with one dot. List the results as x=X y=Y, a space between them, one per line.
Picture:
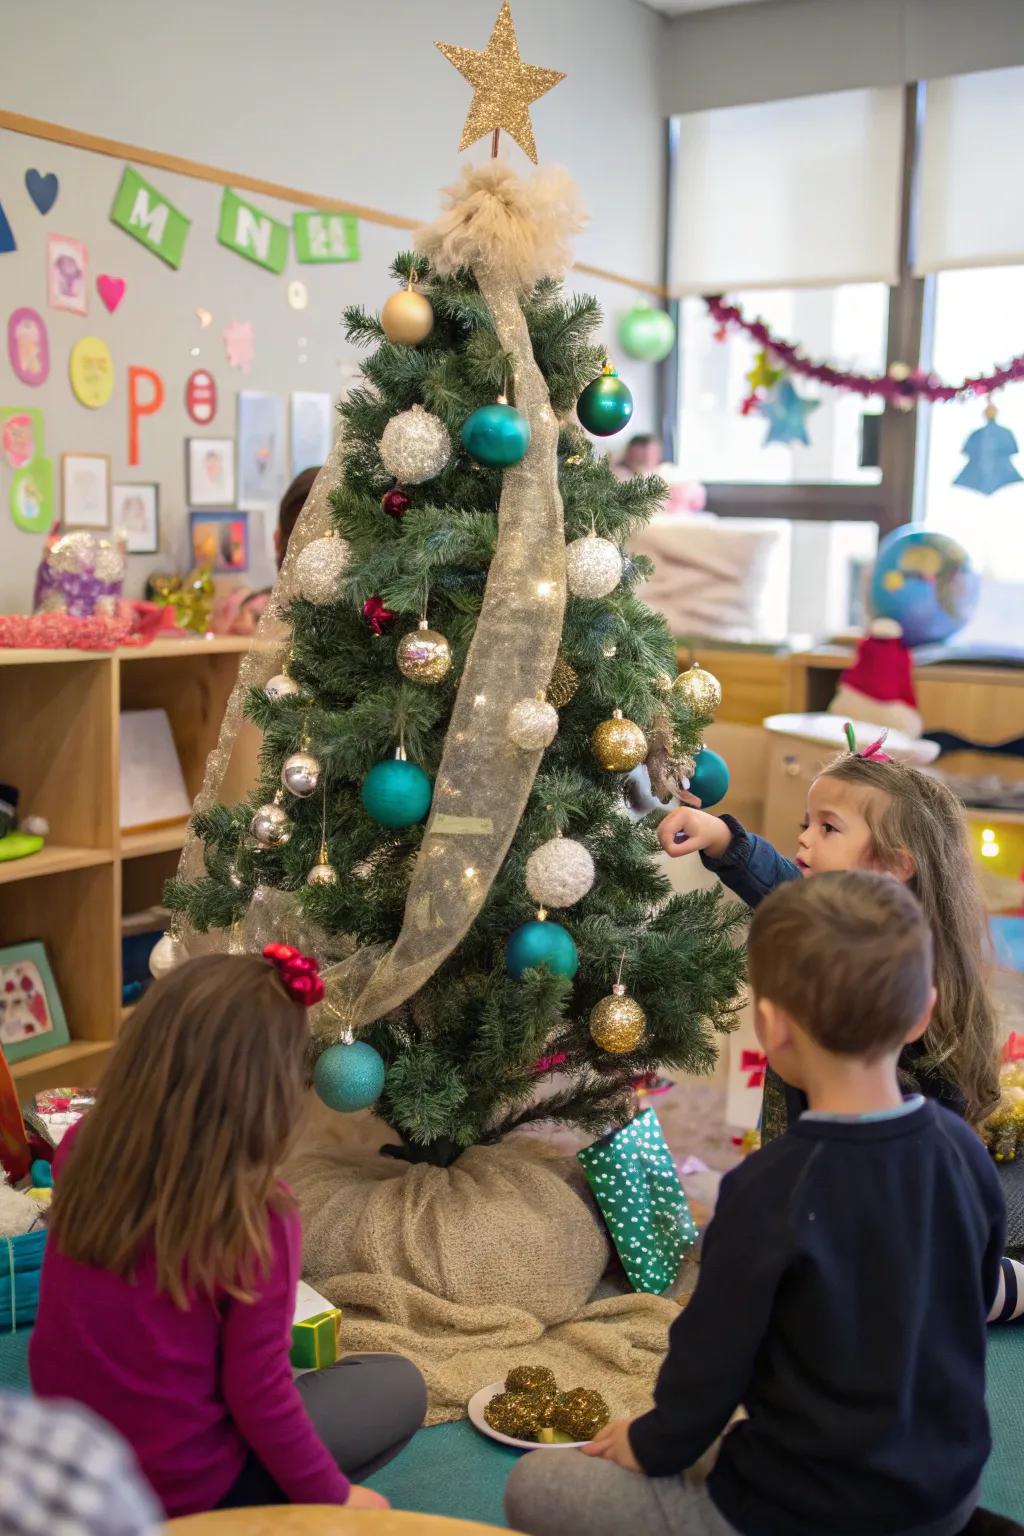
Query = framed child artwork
x=210 y=466
x=261 y=449
x=31 y=1013
x=136 y=509
x=67 y=274
x=220 y=540
x=85 y=490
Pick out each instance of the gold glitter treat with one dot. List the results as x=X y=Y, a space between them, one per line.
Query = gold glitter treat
x=701 y=690
x=618 y=744
x=503 y=86
x=513 y=1414
x=563 y=685
x=580 y=1413
x=617 y=1022
x=424 y=655
x=531 y=1378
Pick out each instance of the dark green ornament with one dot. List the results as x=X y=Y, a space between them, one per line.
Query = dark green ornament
x=606 y=404
x=496 y=435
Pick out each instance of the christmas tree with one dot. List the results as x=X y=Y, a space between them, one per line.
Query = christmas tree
x=467 y=678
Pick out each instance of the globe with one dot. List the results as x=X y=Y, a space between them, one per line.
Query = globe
x=924 y=581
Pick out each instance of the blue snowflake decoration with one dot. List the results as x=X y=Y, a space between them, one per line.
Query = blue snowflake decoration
x=989 y=451
x=786 y=413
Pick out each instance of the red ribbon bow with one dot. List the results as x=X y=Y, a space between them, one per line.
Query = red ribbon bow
x=1013 y=1050
x=754 y=1063
x=300 y=973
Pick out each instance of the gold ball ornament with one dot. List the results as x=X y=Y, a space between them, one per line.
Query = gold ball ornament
x=531 y=1378
x=618 y=744
x=319 y=569
x=415 y=446
x=701 y=690
x=617 y=1022
x=533 y=724
x=514 y=1414
x=424 y=655
x=407 y=318
x=271 y=825
x=580 y=1413
x=563 y=685
x=663 y=681
x=323 y=871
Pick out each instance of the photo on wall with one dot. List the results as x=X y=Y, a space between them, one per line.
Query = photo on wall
x=85 y=490
x=220 y=540
x=261 y=449
x=67 y=274
x=210 y=471
x=31 y=1013
x=136 y=510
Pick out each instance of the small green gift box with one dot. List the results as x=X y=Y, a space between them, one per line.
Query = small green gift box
x=316 y=1341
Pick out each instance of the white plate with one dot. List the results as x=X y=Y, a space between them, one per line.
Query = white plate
x=478 y=1402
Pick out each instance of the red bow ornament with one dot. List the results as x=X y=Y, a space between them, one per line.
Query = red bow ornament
x=754 y=1063
x=300 y=973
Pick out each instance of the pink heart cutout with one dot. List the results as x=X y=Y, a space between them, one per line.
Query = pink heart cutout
x=110 y=290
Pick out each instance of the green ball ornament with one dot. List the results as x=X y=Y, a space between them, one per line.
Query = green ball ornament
x=397 y=793
x=606 y=404
x=496 y=435
x=710 y=780
x=538 y=944
x=647 y=334
x=349 y=1077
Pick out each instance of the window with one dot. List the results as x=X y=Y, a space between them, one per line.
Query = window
x=845 y=325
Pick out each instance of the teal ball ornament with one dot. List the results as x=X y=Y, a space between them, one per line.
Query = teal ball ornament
x=606 y=405
x=397 y=793
x=710 y=780
x=496 y=435
x=647 y=334
x=349 y=1077
x=540 y=944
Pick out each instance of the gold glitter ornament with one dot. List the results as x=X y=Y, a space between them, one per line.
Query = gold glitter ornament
x=617 y=1022
x=618 y=744
x=323 y=871
x=407 y=317
x=513 y=1414
x=580 y=1413
x=424 y=655
x=701 y=690
x=531 y=1378
x=415 y=446
x=503 y=86
x=563 y=685
x=559 y=873
x=663 y=681
x=319 y=569
x=533 y=724
x=593 y=567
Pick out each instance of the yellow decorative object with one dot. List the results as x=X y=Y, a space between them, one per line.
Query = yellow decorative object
x=407 y=317
x=503 y=86
x=617 y=1022
x=763 y=375
x=563 y=685
x=701 y=690
x=531 y=1378
x=514 y=1414
x=424 y=655
x=580 y=1413
x=316 y=1341
x=92 y=372
x=619 y=745
x=1003 y=1131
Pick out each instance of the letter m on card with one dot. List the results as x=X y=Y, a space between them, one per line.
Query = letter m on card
x=149 y=217
x=252 y=233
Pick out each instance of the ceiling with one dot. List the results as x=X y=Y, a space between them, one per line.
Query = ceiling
x=687 y=7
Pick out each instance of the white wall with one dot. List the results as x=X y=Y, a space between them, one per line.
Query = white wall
x=342 y=98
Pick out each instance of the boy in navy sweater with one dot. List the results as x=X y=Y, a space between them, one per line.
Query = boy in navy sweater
x=844 y=1282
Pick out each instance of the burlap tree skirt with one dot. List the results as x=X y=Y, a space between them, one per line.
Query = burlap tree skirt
x=473 y=1269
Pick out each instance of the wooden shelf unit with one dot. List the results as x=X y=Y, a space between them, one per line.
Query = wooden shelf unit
x=59 y=745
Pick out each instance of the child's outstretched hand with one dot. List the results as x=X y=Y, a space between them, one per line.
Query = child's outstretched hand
x=690 y=831
x=612 y=1444
x=365 y=1498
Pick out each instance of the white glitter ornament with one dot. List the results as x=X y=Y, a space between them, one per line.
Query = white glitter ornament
x=415 y=446
x=559 y=873
x=281 y=687
x=533 y=723
x=165 y=955
x=593 y=567
x=319 y=569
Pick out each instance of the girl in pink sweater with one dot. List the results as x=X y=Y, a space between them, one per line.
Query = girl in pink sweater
x=168 y=1287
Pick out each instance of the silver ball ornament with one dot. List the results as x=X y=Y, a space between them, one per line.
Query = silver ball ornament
x=319 y=569
x=559 y=873
x=593 y=567
x=322 y=873
x=300 y=774
x=271 y=826
x=166 y=953
x=281 y=687
x=415 y=446
x=533 y=724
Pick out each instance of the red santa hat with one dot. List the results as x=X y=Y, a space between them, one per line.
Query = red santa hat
x=882 y=669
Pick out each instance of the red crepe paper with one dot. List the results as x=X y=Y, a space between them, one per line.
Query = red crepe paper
x=134 y=624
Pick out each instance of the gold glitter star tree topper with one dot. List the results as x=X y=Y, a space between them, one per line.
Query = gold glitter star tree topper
x=504 y=88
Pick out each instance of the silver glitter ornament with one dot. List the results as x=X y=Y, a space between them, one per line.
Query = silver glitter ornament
x=166 y=953
x=281 y=687
x=533 y=723
x=271 y=826
x=319 y=568
x=559 y=873
x=415 y=446
x=593 y=567
x=300 y=773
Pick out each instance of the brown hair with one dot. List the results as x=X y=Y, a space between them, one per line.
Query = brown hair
x=919 y=817
x=292 y=503
x=848 y=956
x=195 y=1111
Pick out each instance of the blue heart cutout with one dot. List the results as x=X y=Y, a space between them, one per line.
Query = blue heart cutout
x=42 y=189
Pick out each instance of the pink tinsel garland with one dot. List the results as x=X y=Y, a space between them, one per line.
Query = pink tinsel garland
x=132 y=624
x=902 y=392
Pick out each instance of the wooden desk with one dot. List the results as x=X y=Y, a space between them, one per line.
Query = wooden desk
x=323 y=1520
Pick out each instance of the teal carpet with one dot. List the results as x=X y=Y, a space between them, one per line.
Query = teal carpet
x=452 y=1470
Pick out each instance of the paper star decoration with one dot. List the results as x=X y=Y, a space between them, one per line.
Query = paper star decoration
x=503 y=86
x=786 y=414
x=763 y=375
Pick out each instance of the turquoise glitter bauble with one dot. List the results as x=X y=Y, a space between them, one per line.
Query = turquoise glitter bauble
x=647 y=334
x=349 y=1077
x=397 y=793
x=496 y=436
x=605 y=405
x=710 y=781
x=536 y=944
